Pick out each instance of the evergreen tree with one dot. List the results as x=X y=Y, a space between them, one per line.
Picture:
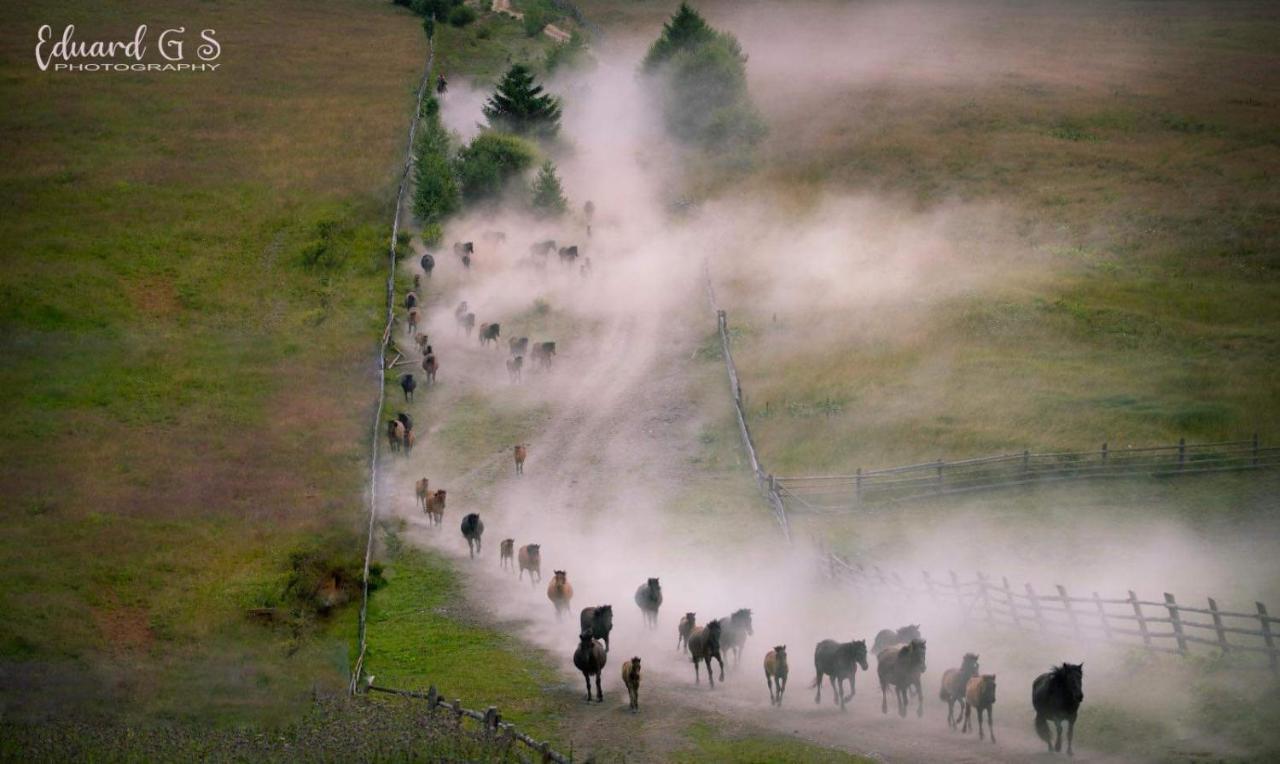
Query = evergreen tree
x=548 y=195
x=519 y=106
x=686 y=30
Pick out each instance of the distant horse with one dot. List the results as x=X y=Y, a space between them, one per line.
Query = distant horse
x=901 y=667
x=518 y=345
x=461 y=310
x=775 y=673
x=442 y=85
x=431 y=366
x=649 y=599
x=887 y=638
x=735 y=630
x=568 y=254
x=1057 y=696
x=412 y=321
x=506 y=552
x=428 y=263
x=560 y=592
x=590 y=658
x=467 y=322
x=395 y=434
x=704 y=644
x=421 y=493
x=462 y=249
x=405 y=420
x=543 y=353
x=684 y=629
x=408 y=384
x=980 y=693
x=424 y=344
x=472 y=531
x=489 y=333
x=514 y=367
x=521 y=452
x=543 y=248
x=435 y=507
x=530 y=558
x=838 y=661
x=410 y=440
x=954 y=682
x=410 y=300
x=631 y=680
x=599 y=620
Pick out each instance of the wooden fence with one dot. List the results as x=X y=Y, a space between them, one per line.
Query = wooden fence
x=944 y=478
x=491 y=719
x=1164 y=626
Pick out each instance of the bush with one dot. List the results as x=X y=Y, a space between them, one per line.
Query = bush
x=327 y=575
x=462 y=15
x=490 y=162
x=535 y=20
x=436 y=192
x=432 y=235
x=548 y=195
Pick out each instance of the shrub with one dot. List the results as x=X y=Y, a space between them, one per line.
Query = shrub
x=436 y=191
x=535 y=20
x=327 y=575
x=492 y=159
x=548 y=195
x=462 y=15
x=432 y=235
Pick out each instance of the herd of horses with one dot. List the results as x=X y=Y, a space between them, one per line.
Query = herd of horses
x=900 y=653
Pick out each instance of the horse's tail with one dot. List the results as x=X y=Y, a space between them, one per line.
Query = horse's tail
x=1042 y=728
x=816 y=682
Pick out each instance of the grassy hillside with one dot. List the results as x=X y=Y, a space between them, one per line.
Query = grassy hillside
x=190 y=298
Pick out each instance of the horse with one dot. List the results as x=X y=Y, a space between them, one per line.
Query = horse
x=518 y=345
x=887 y=638
x=395 y=434
x=462 y=249
x=568 y=254
x=424 y=344
x=543 y=353
x=442 y=85
x=408 y=384
x=435 y=507
x=530 y=558
x=421 y=493
x=649 y=599
x=839 y=661
x=901 y=667
x=599 y=620
x=735 y=630
x=514 y=367
x=980 y=693
x=466 y=322
x=775 y=673
x=489 y=333
x=560 y=592
x=590 y=658
x=1057 y=696
x=704 y=644
x=472 y=531
x=684 y=629
x=954 y=682
x=412 y=321
x=631 y=680
x=428 y=263
x=461 y=310
x=410 y=300
x=410 y=440
x=431 y=366
x=417 y=281
x=521 y=452
x=506 y=548
x=542 y=248
x=405 y=420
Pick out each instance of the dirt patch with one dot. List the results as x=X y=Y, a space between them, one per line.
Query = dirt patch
x=124 y=629
x=155 y=297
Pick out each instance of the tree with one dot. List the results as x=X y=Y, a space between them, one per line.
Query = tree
x=485 y=166
x=686 y=29
x=548 y=195
x=518 y=105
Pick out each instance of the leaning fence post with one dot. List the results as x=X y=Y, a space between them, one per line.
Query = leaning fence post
x=1142 y=621
x=491 y=719
x=1102 y=617
x=1035 y=605
x=1217 y=625
x=457 y=711
x=986 y=598
x=1267 y=636
x=1176 y=620
x=1066 y=605
x=1013 y=605
x=433 y=697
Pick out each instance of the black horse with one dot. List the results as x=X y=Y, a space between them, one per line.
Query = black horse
x=839 y=661
x=405 y=420
x=408 y=384
x=734 y=632
x=472 y=530
x=599 y=620
x=649 y=599
x=428 y=263
x=590 y=658
x=704 y=644
x=1056 y=697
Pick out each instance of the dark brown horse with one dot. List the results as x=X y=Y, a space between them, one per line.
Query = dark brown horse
x=775 y=673
x=506 y=553
x=631 y=678
x=590 y=658
x=954 y=682
x=980 y=693
x=684 y=629
x=839 y=661
x=901 y=667
x=1057 y=696
x=704 y=644
x=530 y=559
x=435 y=507
x=520 y=452
x=599 y=620
x=472 y=531
x=430 y=365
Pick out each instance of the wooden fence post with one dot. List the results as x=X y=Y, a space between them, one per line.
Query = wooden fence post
x=1066 y=605
x=457 y=711
x=1142 y=620
x=986 y=598
x=1035 y=606
x=1013 y=606
x=433 y=698
x=1176 y=618
x=1102 y=617
x=491 y=719
x=1270 y=639
x=1217 y=625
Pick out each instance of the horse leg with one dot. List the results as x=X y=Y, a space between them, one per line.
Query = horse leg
x=768 y=680
x=599 y=692
x=964 y=713
x=950 y=704
x=587 y=676
x=1057 y=743
x=697 y=679
x=1071 y=733
x=721 y=662
x=904 y=700
x=782 y=686
x=837 y=689
x=711 y=677
x=919 y=699
x=818 y=698
x=991 y=724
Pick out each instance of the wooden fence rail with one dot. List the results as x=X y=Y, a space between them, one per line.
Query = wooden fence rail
x=937 y=478
x=490 y=718
x=1165 y=626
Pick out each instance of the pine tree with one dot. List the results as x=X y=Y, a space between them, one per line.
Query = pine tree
x=686 y=30
x=548 y=195
x=519 y=106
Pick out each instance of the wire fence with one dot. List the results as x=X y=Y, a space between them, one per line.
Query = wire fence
x=940 y=478
x=1165 y=626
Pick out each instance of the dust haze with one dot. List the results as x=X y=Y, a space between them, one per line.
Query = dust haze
x=614 y=426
